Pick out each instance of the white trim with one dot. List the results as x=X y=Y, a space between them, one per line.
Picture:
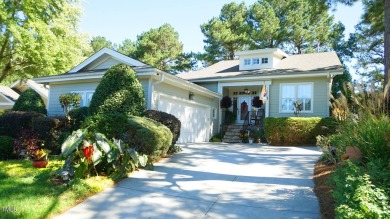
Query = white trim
x=7 y=99
x=267 y=77
x=150 y=93
x=6 y=104
x=268 y=99
x=125 y=59
x=296 y=86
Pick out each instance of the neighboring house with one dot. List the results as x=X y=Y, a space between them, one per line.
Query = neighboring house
x=194 y=97
x=280 y=79
x=22 y=85
x=195 y=106
x=7 y=97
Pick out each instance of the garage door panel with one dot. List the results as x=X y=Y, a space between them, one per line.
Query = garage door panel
x=194 y=119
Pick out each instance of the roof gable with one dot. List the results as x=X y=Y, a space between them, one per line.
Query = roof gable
x=96 y=60
x=8 y=94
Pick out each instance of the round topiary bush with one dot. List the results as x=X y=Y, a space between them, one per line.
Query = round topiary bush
x=6 y=148
x=169 y=121
x=118 y=92
x=30 y=101
x=112 y=125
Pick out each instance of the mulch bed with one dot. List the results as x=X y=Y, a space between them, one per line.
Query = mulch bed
x=321 y=188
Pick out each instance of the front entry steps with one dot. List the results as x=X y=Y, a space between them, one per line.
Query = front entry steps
x=232 y=134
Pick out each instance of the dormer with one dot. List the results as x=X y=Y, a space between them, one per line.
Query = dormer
x=260 y=59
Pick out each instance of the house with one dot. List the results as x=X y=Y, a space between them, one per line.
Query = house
x=7 y=97
x=195 y=106
x=194 y=97
x=280 y=79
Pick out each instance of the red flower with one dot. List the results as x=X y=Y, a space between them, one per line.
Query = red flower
x=88 y=152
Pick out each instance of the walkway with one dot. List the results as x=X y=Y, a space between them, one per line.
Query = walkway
x=214 y=180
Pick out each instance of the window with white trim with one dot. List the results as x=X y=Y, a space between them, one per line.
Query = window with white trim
x=86 y=97
x=264 y=60
x=214 y=113
x=290 y=93
x=247 y=61
x=255 y=61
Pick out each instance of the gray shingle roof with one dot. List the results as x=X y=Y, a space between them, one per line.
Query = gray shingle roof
x=303 y=63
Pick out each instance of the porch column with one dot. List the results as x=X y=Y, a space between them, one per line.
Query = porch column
x=267 y=84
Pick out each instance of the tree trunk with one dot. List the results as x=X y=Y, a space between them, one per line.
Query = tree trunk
x=387 y=49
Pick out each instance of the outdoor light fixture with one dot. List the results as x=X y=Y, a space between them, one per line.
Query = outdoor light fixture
x=246 y=91
x=191 y=96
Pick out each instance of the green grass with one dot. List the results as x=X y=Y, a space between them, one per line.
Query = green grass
x=27 y=192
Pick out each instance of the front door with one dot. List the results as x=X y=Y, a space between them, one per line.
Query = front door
x=243 y=106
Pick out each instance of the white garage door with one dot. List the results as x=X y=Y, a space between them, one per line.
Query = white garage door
x=194 y=119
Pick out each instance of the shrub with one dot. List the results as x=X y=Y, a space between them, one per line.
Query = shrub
x=30 y=101
x=149 y=137
x=169 y=121
x=118 y=92
x=297 y=131
x=216 y=138
x=27 y=141
x=48 y=130
x=12 y=123
x=356 y=196
x=112 y=125
x=77 y=116
x=6 y=148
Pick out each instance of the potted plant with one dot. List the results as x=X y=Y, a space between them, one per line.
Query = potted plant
x=257 y=102
x=40 y=158
x=244 y=136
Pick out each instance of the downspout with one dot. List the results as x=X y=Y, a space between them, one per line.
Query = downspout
x=151 y=90
x=330 y=77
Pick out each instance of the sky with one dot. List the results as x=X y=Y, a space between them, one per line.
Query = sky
x=120 y=19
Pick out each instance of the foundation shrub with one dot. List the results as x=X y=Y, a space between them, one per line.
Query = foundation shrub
x=118 y=92
x=77 y=117
x=48 y=130
x=149 y=137
x=169 y=121
x=297 y=130
x=112 y=125
x=6 y=148
x=12 y=123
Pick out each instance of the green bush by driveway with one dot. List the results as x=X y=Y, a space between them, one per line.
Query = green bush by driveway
x=297 y=130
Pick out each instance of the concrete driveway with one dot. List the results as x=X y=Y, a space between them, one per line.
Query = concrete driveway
x=214 y=180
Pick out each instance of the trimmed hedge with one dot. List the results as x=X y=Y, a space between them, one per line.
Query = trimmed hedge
x=6 y=148
x=297 y=130
x=150 y=137
x=169 y=121
x=12 y=123
x=77 y=117
x=118 y=92
x=48 y=130
x=145 y=135
x=30 y=101
x=112 y=125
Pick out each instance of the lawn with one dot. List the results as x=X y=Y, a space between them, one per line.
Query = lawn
x=27 y=192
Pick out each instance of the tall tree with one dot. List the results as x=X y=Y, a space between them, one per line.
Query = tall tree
x=99 y=42
x=159 y=47
x=127 y=47
x=227 y=33
x=375 y=22
x=39 y=37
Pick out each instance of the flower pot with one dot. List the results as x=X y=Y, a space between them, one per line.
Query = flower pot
x=40 y=163
x=251 y=141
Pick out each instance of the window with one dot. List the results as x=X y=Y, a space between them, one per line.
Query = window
x=264 y=60
x=290 y=93
x=255 y=61
x=86 y=97
x=214 y=113
x=247 y=61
